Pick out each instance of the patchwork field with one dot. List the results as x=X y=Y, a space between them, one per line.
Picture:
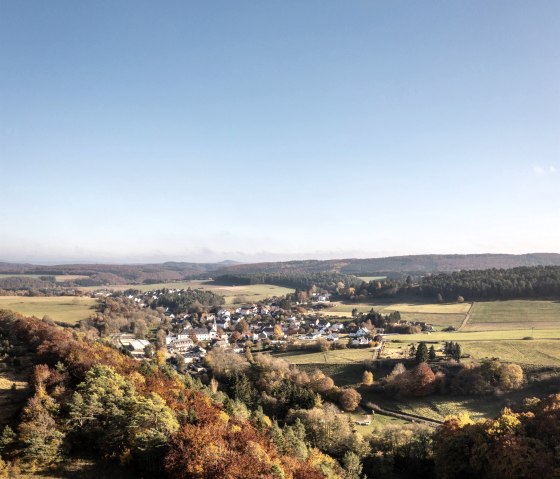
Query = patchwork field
x=68 y=309
x=232 y=294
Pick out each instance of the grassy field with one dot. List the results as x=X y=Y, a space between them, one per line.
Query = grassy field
x=440 y=315
x=339 y=356
x=439 y=407
x=515 y=314
x=378 y=421
x=344 y=366
x=478 y=335
x=232 y=294
x=430 y=308
x=58 y=277
x=539 y=352
x=68 y=309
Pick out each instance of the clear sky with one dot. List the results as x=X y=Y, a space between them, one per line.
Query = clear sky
x=211 y=130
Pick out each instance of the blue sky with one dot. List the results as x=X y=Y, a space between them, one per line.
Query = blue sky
x=148 y=131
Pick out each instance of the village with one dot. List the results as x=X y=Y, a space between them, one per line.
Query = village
x=265 y=326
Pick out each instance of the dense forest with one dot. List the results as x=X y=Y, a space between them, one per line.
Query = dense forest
x=189 y=300
x=327 y=281
x=524 y=282
x=536 y=282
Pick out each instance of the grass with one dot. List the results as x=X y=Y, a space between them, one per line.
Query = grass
x=440 y=315
x=538 y=352
x=378 y=421
x=514 y=314
x=338 y=356
x=384 y=307
x=343 y=374
x=440 y=407
x=438 y=320
x=232 y=294
x=498 y=335
x=344 y=366
x=67 y=309
x=59 y=278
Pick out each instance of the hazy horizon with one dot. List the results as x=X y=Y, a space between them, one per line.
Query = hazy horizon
x=240 y=258
x=278 y=130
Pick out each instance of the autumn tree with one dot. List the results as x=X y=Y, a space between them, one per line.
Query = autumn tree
x=367 y=378
x=349 y=399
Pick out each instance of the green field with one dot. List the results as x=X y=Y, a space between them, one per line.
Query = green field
x=538 y=352
x=233 y=294
x=439 y=407
x=387 y=307
x=478 y=335
x=378 y=421
x=515 y=314
x=440 y=315
x=67 y=309
x=338 y=356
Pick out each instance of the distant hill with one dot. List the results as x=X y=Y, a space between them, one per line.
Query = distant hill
x=121 y=273
x=401 y=264
x=175 y=271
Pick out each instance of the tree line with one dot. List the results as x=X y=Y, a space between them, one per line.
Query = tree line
x=524 y=282
x=328 y=281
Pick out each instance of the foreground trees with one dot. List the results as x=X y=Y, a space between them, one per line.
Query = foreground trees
x=520 y=445
x=90 y=397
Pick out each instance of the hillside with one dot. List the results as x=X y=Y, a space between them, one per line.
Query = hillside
x=99 y=274
x=401 y=264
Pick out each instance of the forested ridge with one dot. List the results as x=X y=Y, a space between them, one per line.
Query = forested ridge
x=523 y=282
x=393 y=266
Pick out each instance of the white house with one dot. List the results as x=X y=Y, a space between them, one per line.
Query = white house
x=362 y=332
x=181 y=345
x=202 y=334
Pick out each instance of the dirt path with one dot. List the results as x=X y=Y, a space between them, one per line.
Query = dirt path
x=467 y=317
